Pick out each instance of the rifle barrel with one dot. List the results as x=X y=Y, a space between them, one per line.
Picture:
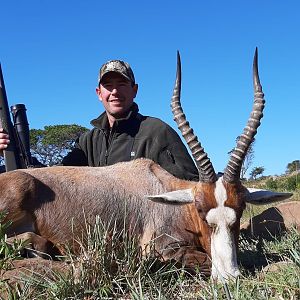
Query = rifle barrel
x=11 y=160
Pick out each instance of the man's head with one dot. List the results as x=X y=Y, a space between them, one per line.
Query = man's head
x=116 y=88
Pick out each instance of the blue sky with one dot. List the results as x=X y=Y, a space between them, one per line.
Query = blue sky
x=51 y=52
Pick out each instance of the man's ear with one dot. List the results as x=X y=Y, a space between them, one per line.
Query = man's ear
x=135 y=89
x=98 y=92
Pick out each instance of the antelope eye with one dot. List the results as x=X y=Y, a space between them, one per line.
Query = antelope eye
x=213 y=226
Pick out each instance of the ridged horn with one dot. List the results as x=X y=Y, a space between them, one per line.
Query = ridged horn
x=205 y=167
x=233 y=168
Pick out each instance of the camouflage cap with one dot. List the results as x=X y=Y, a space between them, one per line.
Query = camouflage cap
x=117 y=66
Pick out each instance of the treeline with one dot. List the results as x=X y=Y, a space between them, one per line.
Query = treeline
x=51 y=144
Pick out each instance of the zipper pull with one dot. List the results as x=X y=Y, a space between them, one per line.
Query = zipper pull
x=106 y=157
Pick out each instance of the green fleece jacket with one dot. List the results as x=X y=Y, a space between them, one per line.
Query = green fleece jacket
x=133 y=137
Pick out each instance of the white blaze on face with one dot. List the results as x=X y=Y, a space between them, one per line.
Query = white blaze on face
x=223 y=249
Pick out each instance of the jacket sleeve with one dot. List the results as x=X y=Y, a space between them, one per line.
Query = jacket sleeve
x=174 y=157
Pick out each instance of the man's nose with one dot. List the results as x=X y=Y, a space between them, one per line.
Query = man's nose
x=114 y=90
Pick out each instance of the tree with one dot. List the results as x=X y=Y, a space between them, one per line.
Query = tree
x=51 y=144
x=248 y=161
x=293 y=166
x=256 y=172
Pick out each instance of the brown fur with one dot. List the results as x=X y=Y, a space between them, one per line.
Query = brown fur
x=236 y=200
x=48 y=200
x=57 y=203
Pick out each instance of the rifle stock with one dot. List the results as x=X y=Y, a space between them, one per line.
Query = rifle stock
x=13 y=157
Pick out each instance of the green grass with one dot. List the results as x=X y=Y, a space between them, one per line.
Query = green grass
x=111 y=267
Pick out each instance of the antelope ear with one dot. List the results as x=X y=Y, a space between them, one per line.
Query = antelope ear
x=180 y=197
x=261 y=197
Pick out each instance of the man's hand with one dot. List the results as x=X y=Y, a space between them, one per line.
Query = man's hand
x=4 y=141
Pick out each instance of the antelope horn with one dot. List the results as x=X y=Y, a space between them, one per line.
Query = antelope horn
x=233 y=169
x=205 y=167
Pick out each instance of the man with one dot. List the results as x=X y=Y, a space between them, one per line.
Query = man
x=121 y=133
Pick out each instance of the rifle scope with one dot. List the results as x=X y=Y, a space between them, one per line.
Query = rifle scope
x=22 y=129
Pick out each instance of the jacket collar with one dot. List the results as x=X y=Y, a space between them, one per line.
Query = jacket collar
x=102 y=121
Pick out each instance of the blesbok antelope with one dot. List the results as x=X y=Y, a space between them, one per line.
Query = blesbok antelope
x=202 y=217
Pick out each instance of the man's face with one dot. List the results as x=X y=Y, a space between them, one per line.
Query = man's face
x=117 y=94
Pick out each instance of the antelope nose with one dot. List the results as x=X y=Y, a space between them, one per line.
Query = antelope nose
x=236 y=273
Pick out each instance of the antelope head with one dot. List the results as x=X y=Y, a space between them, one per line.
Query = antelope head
x=220 y=201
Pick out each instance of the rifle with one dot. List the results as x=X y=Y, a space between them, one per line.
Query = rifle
x=17 y=154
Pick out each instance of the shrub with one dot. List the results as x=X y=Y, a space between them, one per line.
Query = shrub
x=271 y=184
x=289 y=183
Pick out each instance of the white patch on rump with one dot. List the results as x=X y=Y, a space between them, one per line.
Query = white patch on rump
x=223 y=248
